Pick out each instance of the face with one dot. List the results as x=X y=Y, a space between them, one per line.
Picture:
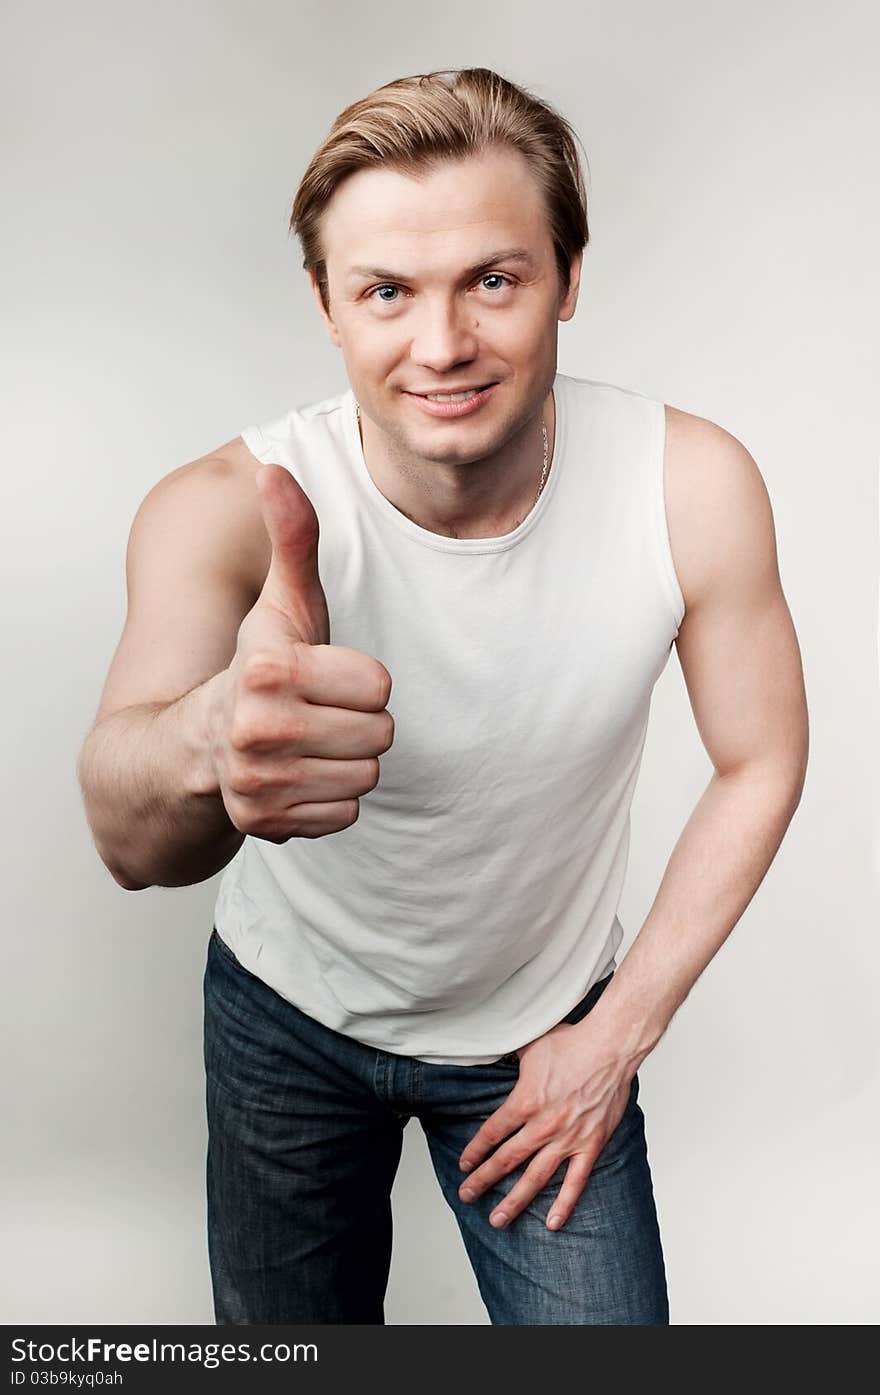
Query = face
x=446 y=281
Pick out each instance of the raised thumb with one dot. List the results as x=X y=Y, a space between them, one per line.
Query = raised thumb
x=292 y=582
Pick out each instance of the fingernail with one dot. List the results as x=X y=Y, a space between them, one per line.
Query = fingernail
x=465 y=1166
x=467 y=1193
x=554 y=1221
x=499 y=1220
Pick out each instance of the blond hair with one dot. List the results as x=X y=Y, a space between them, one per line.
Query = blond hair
x=414 y=122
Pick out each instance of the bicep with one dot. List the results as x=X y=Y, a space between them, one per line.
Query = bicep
x=189 y=585
x=737 y=644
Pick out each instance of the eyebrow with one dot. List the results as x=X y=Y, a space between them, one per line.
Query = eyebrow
x=509 y=254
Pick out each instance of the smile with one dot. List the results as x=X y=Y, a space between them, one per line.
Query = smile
x=453 y=404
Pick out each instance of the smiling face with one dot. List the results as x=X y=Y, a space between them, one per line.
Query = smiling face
x=445 y=281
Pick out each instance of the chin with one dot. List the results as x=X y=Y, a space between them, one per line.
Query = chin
x=461 y=456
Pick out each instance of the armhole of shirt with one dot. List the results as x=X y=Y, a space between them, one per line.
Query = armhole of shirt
x=661 y=526
x=256 y=443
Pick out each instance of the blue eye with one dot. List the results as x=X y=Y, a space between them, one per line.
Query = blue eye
x=390 y=300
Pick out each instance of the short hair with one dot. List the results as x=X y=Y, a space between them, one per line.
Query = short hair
x=415 y=122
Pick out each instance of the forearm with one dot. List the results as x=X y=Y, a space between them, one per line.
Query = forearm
x=153 y=805
x=715 y=869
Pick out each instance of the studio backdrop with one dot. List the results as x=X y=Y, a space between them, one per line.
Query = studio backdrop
x=154 y=304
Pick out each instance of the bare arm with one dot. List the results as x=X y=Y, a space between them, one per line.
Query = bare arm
x=194 y=555
x=742 y=666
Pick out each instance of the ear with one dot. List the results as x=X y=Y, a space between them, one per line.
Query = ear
x=329 y=324
x=569 y=300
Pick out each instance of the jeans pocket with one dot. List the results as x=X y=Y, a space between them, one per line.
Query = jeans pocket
x=509 y=1059
x=589 y=1000
x=217 y=942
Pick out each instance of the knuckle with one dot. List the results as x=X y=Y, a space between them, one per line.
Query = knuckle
x=248 y=735
x=260 y=673
x=241 y=734
x=371 y=773
x=245 y=818
x=542 y=1133
x=264 y=825
x=264 y=672
x=295 y=732
x=244 y=780
x=271 y=828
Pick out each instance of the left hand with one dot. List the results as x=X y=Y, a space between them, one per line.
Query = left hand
x=570 y=1096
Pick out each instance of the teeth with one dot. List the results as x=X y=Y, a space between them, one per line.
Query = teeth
x=451 y=396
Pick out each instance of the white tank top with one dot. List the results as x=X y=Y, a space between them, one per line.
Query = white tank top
x=474 y=901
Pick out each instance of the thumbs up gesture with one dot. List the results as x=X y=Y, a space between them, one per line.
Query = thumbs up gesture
x=298 y=723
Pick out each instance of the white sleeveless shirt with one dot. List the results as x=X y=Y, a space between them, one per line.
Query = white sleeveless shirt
x=474 y=901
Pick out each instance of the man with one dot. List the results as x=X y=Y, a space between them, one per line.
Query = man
x=418 y=911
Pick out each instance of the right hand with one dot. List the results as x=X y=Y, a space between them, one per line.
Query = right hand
x=297 y=723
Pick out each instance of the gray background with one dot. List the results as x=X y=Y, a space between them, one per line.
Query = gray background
x=154 y=305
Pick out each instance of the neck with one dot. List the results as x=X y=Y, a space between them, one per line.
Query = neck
x=480 y=499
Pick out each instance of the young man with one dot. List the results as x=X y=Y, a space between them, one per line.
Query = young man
x=418 y=910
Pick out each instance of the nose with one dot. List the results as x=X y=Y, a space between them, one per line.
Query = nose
x=444 y=338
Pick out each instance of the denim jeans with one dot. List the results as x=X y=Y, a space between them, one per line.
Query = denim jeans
x=305 y=1131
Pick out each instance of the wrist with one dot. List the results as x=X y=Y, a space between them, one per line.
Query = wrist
x=631 y=1026
x=196 y=715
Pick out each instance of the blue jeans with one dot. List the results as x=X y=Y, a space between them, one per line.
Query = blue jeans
x=305 y=1130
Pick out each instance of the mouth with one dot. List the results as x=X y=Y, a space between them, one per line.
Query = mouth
x=453 y=402
x=444 y=394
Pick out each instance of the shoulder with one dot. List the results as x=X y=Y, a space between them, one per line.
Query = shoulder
x=215 y=496
x=718 y=510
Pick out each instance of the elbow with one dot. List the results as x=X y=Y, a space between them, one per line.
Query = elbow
x=779 y=783
x=128 y=883
x=120 y=876
x=117 y=872
x=787 y=769
x=789 y=785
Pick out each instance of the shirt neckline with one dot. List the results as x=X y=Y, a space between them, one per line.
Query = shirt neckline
x=437 y=541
